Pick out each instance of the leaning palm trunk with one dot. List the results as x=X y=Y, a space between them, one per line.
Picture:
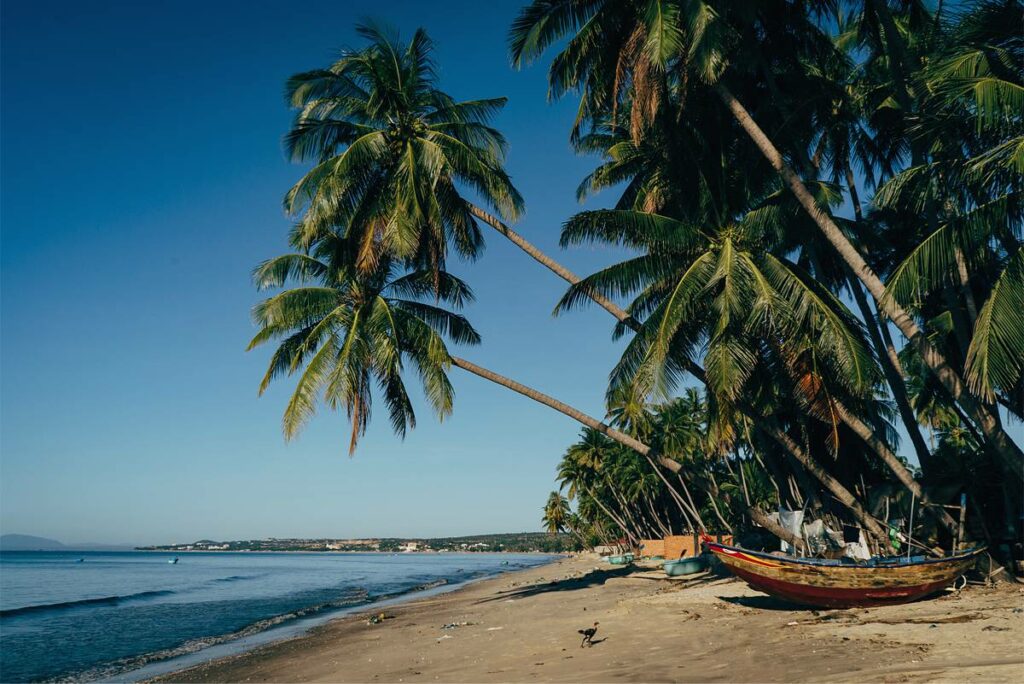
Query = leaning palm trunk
x=1009 y=453
x=638 y=526
x=713 y=495
x=896 y=466
x=777 y=434
x=758 y=516
x=688 y=512
x=879 y=333
x=836 y=488
x=611 y=516
x=892 y=376
x=692 y=503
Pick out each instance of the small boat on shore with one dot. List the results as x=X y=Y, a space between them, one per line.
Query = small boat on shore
x=621 y=560
x=841 y=583
x=685 y=566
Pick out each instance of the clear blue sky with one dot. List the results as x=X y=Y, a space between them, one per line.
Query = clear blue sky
x=142 y=180
x=142 y=177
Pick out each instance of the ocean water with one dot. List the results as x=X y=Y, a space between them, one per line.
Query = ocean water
x=113 y=613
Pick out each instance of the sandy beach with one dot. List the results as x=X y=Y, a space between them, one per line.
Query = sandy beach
x=523 y=626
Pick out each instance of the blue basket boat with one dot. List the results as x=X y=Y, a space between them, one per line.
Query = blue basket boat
x=685 y=566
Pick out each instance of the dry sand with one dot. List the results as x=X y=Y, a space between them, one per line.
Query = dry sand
x=523 y=626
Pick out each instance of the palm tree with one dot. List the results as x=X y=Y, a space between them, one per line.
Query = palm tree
x=972 y=127
x=638 y=45
x=346 y=333
x=556 y=513
x=393 y=154
x=728 y=291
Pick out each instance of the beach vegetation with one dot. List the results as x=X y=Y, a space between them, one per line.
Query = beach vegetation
x=822 y=209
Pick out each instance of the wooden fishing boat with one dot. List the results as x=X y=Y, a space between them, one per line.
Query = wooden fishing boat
x=685 y=566
x=843 y=583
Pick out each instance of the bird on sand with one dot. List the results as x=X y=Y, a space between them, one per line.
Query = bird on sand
x=588 y=634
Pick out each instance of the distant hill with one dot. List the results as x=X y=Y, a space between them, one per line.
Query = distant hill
x=26 y=542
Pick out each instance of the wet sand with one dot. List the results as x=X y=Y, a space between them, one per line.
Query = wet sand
x=523 y=626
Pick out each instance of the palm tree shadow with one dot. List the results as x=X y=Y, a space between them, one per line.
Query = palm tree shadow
x=591 y=579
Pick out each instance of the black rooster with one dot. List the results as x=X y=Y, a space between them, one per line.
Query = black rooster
x=588 y=634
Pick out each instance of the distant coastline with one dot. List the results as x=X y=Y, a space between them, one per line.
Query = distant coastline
x=517 y=542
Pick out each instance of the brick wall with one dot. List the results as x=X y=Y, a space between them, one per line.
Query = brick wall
x=652 y=547
x=687 y=545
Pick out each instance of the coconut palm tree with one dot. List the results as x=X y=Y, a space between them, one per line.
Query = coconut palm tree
x=342 y=334
x=556 y=513
x=972 y=126
x=633 y=49
x=393 y=155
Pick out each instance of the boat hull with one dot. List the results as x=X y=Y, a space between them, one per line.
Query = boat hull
x=828 y=585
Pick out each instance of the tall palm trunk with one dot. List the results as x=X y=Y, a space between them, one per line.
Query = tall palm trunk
x=658 y=522
x=834 y=486
x=627 y=511
x=611 y=516
x=713 y=494
x=883 y=346
x=1008 y=452
x=865 y=432
x=774 y=432
x=893 y=377
x=680 y=504
x=759 y=516
x=692 y=503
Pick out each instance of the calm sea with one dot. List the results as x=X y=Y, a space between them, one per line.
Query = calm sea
x=108 y=614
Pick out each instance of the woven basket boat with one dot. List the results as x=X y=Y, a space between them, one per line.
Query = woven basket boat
x=684 y=566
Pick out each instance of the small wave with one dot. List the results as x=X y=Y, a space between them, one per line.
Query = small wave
x=236 y=578
x=66 y=605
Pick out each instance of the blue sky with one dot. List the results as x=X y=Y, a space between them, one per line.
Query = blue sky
x=142 y=177
x=142 y=180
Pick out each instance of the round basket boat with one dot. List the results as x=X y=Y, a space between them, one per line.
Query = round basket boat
x=621 y=560
x=685 y=566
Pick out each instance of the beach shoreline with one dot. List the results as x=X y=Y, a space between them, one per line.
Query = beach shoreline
x=523 y=625
x=225 y=646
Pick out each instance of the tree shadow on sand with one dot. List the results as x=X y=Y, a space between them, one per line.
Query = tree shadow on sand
x=766 y=603
x=591 y=579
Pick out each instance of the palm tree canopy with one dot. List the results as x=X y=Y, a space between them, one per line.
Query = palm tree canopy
x=343 y=331
x=393 y=155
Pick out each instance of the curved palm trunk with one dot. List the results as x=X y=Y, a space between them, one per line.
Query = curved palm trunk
x=863 y=431
x=713 y=495
x=680 y=504
x=893 y=377
x=841 y=493
x=692 y=503
x=577 y=415
x=758 y=516
x=639 y=526
x=1009 y=453
x=884 y=347
x=658 y=522
x=614 y=518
